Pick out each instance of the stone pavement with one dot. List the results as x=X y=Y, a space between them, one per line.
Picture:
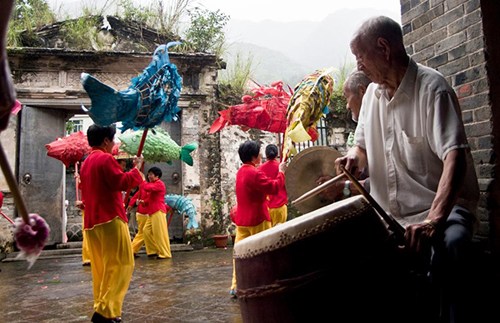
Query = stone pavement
x=193 y=286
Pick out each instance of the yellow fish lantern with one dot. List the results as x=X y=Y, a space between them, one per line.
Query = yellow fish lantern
x=307 y=105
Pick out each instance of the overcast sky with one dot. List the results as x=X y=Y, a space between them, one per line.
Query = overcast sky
x=292 y=10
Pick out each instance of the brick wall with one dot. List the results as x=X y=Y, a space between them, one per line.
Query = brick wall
x=447 y=35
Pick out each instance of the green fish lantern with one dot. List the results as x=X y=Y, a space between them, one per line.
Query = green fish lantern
x=158 y=147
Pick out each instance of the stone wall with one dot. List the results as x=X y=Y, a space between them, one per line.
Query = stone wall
x=222 y=164
x=8 y=140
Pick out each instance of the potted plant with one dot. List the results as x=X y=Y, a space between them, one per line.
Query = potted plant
x=220 y=240
x=194 y=238
x=221 y=222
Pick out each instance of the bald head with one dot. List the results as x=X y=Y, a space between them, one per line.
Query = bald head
x=354 y=88
x=380 y=52
x=381 y=26
x=356 y=80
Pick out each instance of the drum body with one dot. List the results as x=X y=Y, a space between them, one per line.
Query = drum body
x=324 y=266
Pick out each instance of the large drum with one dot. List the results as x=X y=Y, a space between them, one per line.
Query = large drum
x=314 y=268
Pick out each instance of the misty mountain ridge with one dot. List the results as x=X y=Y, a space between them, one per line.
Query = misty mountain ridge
x=268 y=65
x=291 y=50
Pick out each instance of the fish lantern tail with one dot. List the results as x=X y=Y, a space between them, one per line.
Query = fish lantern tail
x=106 y=101
x=186 y=153
x=220 y=122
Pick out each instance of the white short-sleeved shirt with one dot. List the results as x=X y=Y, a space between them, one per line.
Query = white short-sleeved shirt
x=406 y=140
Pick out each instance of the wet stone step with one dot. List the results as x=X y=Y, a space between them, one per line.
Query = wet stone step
x=73 y=249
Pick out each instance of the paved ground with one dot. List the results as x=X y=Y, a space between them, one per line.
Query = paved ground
x=193 y=286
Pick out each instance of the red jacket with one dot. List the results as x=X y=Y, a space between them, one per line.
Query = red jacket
x=139 y=195
x=271 y=169
x=102 y=182
x=252 y=188
x=155 y=196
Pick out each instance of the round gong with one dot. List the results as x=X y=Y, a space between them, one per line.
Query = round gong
x=304 y=170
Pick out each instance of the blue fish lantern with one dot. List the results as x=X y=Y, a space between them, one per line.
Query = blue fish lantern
x=150 y=99
x=183 y=205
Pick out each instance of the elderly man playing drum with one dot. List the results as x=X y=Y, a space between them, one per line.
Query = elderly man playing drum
x=411 y=136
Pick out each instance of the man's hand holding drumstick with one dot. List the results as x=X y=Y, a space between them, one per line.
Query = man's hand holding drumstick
x=342 y=165
x=334 y=188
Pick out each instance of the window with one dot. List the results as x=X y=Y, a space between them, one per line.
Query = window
x=73 y=125
x=77 y=125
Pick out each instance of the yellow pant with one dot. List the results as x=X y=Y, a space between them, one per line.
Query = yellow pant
x=85 y=244
x=279 y=214
x=244 y=232
x=138 y=241
x=112 y=265
x=156 y=234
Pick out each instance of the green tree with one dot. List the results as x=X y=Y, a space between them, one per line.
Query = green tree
x=338 y=102
x=82 y=33
x=129 y=11
x=339 y=116
x=206 y=32
x=26 y=16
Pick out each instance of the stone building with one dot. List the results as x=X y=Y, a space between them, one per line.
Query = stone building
x=48 y=85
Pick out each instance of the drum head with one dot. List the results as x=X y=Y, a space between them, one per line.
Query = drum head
x=304 y=170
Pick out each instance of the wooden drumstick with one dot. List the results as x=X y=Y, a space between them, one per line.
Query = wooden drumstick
x=394 y=225
x=317 y=190
x=14 y=189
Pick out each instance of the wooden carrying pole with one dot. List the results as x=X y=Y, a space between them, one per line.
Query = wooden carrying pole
x=77 y=182
x=139 y=153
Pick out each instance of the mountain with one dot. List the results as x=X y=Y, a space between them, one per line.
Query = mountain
x=298 y=47
x=268 y=65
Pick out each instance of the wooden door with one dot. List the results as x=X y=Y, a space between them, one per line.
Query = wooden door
x=42 y=178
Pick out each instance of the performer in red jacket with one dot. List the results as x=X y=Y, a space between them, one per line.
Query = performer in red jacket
x=105 y=224
x=252 y=188
x=277 y=203
x=142 y=217
x=156 y=230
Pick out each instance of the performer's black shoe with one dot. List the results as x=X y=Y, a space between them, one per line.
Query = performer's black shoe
x=98 y=318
